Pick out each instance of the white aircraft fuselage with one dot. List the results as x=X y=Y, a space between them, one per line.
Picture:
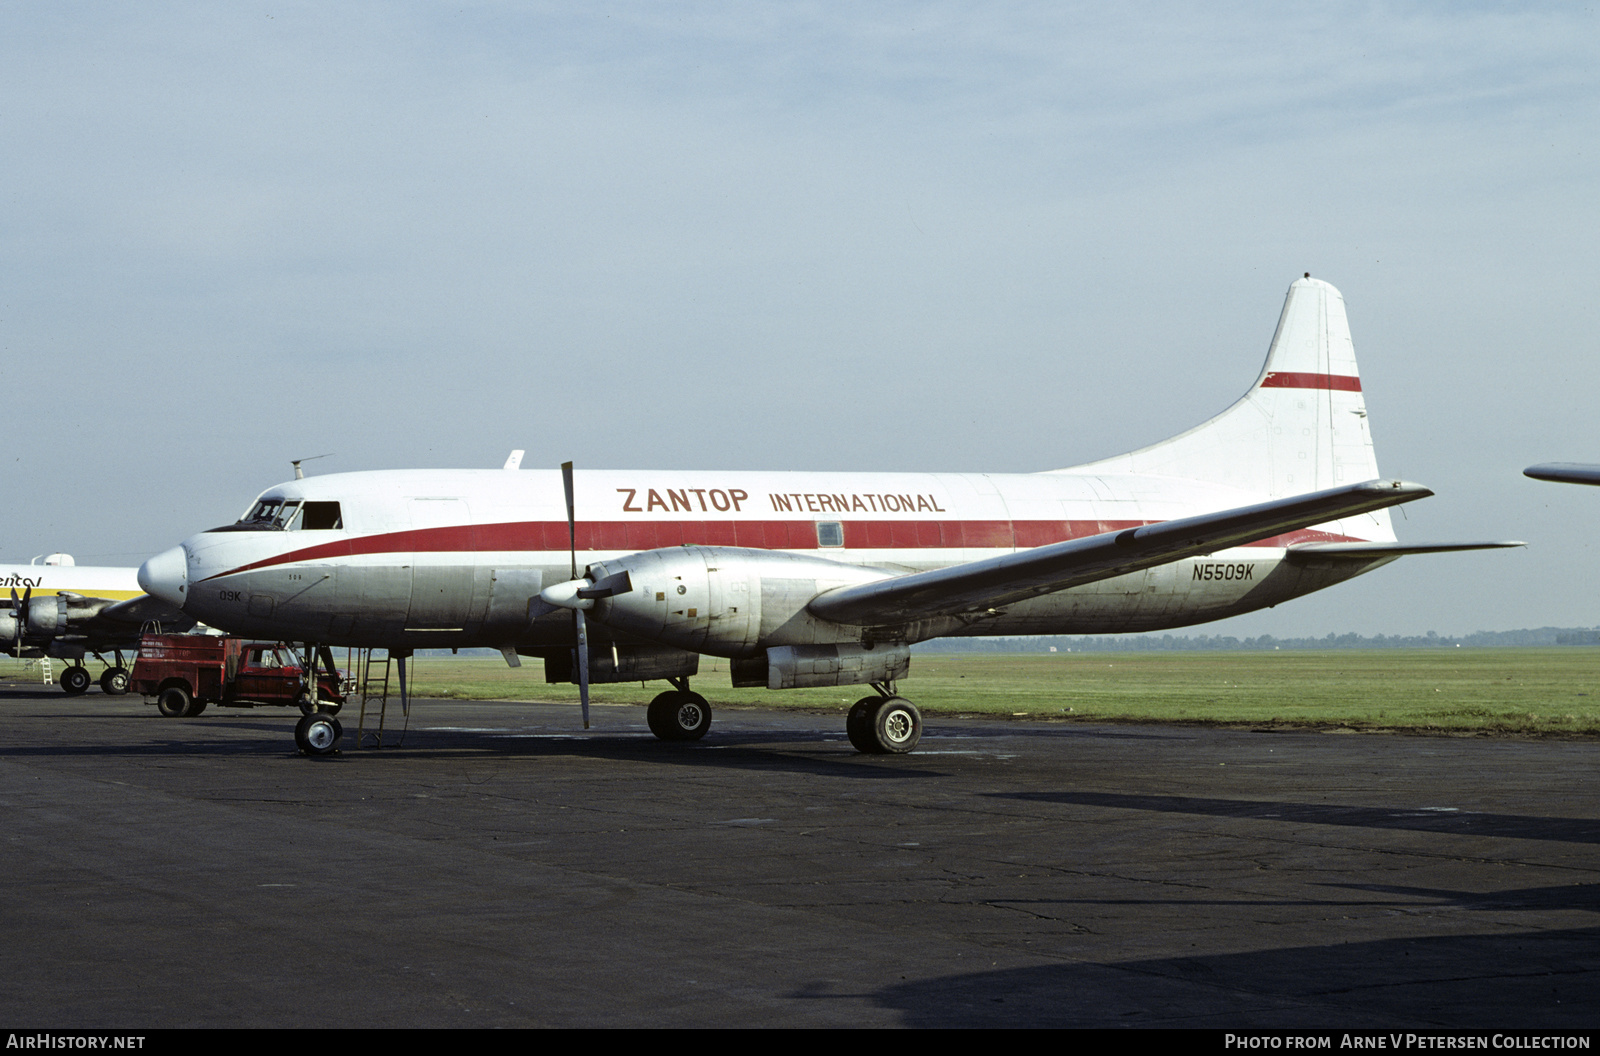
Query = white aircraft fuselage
x=421 y=553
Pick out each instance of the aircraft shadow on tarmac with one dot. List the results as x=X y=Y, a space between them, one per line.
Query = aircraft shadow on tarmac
x=744 y=749
x=1411 y=819
x=1527 y=980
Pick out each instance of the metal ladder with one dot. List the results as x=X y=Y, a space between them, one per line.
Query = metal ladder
x=372 y=683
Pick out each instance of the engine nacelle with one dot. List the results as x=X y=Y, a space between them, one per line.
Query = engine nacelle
x=726 y=600
x=47 y=616
x=612 y=662
x=797 y=666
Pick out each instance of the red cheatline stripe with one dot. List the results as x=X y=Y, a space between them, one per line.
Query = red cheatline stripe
x=1292 y=379
x=550 y=537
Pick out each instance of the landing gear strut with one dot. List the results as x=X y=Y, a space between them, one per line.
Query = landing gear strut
x=883 y=725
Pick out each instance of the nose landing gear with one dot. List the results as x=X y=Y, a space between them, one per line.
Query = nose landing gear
x=318 y=734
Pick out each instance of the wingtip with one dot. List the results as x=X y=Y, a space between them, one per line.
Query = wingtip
x=1565 y=472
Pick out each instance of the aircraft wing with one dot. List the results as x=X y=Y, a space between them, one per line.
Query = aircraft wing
x=1564 y=472
x=143 y=609
x=978 y=586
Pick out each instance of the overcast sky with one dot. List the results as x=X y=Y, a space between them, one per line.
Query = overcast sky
x=968 y=237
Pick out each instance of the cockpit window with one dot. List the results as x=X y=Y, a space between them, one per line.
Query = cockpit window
x=291 y=515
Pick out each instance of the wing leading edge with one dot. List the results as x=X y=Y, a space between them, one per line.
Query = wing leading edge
x=981 y=585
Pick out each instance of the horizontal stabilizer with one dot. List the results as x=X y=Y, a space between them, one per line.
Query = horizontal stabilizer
x=981 y=585
x=1564 y=472
x=1369 y=551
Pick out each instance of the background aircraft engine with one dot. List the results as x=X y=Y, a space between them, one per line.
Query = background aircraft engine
x=47 y=616
x=725 y=600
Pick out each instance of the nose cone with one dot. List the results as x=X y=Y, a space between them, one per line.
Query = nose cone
x=166 y=576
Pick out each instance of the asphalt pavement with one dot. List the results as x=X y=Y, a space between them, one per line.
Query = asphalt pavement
x=502 y=867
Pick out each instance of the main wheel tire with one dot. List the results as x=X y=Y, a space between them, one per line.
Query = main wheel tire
x=322 y=733
x=896 y=726
x=174 y=701
x=114 y=681
x=75 y=680
x=858 y=725
x=892 y=726
x=679 y=716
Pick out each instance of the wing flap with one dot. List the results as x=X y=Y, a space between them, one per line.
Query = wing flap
x=980 y=585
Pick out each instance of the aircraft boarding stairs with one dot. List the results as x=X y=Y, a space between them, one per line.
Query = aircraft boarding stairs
x=371 y=680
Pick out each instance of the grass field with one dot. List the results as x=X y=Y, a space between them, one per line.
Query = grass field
x=1523 y=691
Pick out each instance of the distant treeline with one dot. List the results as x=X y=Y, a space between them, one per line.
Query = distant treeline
x=1151 y=643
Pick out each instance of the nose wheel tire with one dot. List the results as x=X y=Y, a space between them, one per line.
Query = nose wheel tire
x=114 y=681
x=75 y=680
x=318 y=734
x=679 y=716
x=883 y=726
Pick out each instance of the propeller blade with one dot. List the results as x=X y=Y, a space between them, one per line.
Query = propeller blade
x=582 y=628
x=20 y=607
x=611 y=586
x=572 y=518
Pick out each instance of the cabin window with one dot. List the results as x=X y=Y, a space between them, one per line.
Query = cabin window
x=830 y=533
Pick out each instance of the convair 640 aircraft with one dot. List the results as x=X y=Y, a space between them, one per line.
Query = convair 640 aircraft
x=818 y=579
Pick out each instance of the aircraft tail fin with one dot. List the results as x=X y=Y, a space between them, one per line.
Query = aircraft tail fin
x=1302 y=426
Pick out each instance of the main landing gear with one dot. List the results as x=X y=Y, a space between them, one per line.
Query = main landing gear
x=679 y=714
x=883 y=725
x=886 y=724
x=75 y=680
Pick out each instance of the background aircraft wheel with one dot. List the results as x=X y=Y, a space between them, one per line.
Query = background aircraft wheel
x=679 y=716
x=76 y=680
x=894 y=726
x=858 y=724
x=114 y=681
x=173 y=701
x=322 y=733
